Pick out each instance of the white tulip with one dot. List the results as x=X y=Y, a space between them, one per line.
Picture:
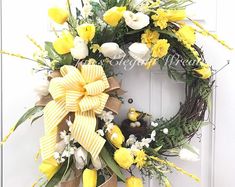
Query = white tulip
x=80 y=50
x=112 y=50
x=189 y=155
x=136 y=21
x=81 y=158
x=97 y=163
x=41 y=87
x=139 y=52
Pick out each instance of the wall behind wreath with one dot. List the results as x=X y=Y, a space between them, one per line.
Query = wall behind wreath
x=20 y=18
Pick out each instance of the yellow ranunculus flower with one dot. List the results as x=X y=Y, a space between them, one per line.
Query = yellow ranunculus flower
x=89 y=178
x=114 y=15
x=49 y=167
x=140 y=158
x=115 y=136
x=86 y=31
x=162 y=17
x=58 y=15
x=124 y=158
x=64 y=43
x=149 y=37
x=204 y=71
x=160 y=49
x=187 y=35
x=134 y=182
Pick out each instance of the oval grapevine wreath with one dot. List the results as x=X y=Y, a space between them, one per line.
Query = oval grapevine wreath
x=81 y=96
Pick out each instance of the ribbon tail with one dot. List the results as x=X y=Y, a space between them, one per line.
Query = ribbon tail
x=54 y=113
x=83 y=131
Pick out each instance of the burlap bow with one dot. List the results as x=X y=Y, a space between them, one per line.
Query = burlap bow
x=81 y=92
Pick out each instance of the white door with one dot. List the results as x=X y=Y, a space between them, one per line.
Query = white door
x=151 y=91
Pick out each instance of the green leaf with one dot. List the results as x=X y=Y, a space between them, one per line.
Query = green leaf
x=51 y=51
x=60 y=173
x=36 y=118
x=108 y=159
x=67 y=59
x=29 y=113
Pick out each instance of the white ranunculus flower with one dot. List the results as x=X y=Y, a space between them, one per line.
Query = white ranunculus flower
x=112 y=50
x=189 y=155
x=80 y=50
x=139 y=52
x=137 y=20
x=41 y=87
x=81 y=158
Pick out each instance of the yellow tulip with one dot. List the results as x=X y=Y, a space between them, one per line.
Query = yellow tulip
x=134 y=182
x=86 y=31
x=49 y=167
x=64 y=43
x=124 y=158
x=204 y=71
x=89 y=178
x=115 y=136
x=114 y=15
x=187 y=35
x=176 y=15
x=58 y=15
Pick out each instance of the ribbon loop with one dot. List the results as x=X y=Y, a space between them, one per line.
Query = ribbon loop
x=57 y=89
x=95 y=88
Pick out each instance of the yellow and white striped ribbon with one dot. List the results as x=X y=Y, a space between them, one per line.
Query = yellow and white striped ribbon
x=80 y=92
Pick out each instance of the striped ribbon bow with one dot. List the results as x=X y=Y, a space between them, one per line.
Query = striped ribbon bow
x=82 y=92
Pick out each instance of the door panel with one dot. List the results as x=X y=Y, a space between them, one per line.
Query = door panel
x=151 y=91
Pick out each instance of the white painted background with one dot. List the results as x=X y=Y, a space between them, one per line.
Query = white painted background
x=157 y=92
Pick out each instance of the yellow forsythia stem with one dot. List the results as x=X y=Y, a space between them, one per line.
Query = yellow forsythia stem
x=207 y=33
x=89 y=178
x=167 y=183
x=55 y=32
x=37 y=155
x=175 y=167
x=7 y=136
x=14 y=55
x=35 y=43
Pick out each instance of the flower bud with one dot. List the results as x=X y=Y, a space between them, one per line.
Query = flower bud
x=134 y=182
x=89 y=178
x=115 y=136
x=58 y=15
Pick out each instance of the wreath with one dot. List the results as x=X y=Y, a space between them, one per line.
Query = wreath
x=81 y=96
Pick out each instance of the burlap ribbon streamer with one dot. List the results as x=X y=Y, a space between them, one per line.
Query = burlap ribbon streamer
x=111 y=182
